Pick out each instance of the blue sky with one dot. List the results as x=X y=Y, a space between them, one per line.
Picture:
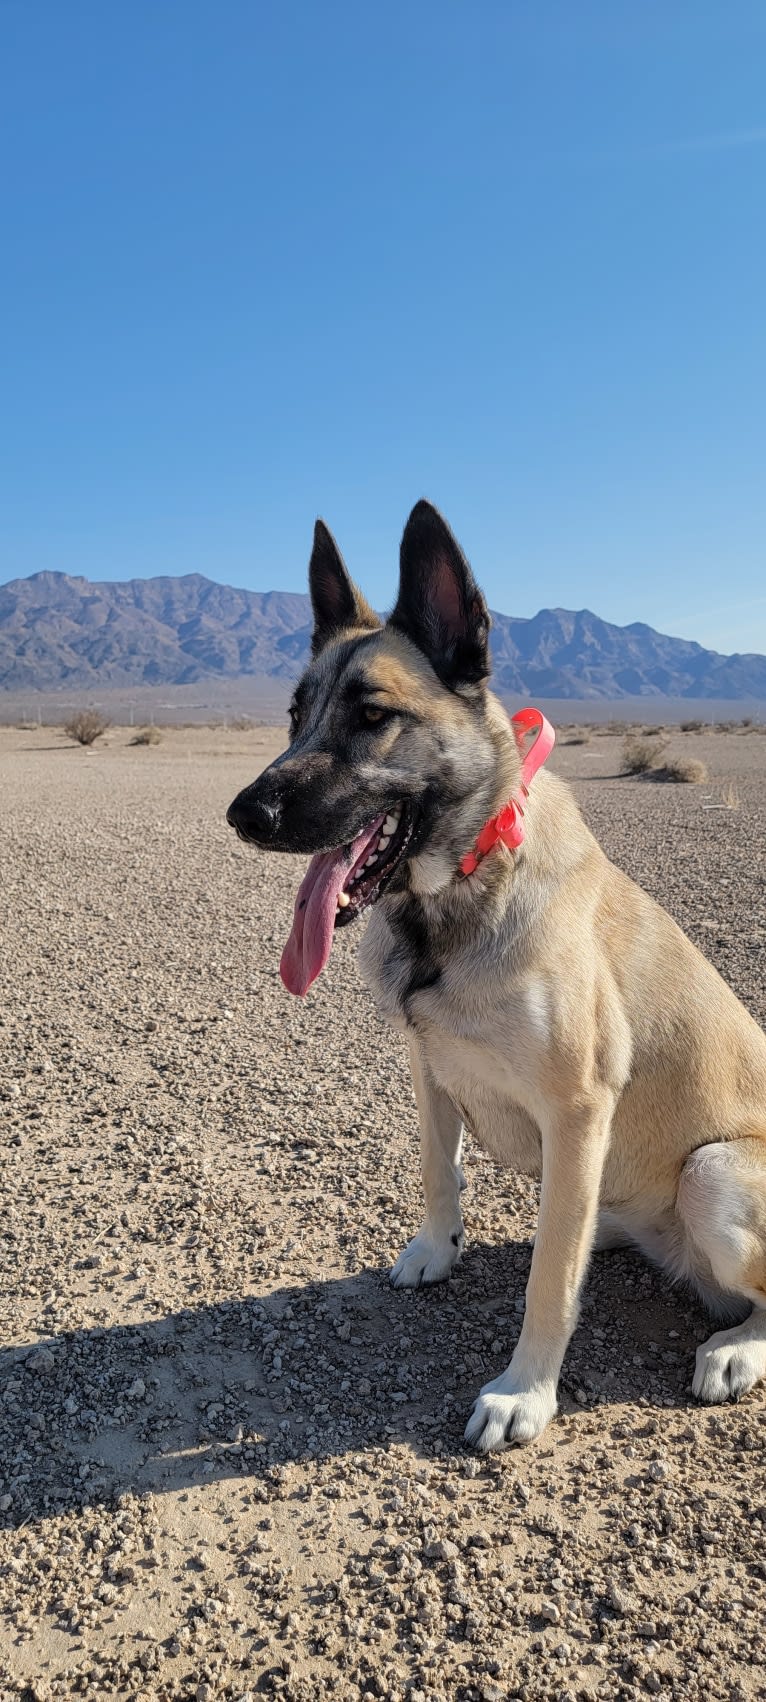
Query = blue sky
x=263 y=261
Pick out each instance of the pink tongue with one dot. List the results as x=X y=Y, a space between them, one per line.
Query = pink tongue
x=310 y=942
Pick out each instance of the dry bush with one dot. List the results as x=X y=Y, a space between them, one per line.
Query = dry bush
x=576 y=736
x=683 y=770
x=147 y=736
x=639 y=755
x=85 y=726
x=610 y=729
x=242 y=724
x=731 y=797
x=691 y=726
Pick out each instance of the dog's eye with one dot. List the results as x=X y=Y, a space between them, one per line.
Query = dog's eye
x=372 y=715
x=294 y=715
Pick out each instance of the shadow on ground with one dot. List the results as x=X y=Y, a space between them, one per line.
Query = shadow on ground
x=312 y=1371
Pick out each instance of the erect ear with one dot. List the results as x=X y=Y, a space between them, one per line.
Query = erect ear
x=334 y=597
x=440 y=606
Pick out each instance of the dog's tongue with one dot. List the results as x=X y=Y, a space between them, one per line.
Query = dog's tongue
x=310 y=942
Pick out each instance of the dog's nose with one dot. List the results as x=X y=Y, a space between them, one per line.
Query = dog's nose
x=253 y=817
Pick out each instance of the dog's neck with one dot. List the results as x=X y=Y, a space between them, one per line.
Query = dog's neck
x=497 y=777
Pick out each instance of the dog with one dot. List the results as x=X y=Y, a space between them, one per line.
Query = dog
x=551 y=1007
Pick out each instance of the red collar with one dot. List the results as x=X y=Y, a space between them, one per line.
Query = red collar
x=507 y=827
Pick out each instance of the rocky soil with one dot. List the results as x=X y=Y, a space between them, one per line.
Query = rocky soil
x=231 y=1457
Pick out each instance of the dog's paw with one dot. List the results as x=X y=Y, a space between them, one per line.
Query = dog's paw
x=727 y=1366
x=507 y=1414
x=426 y=1260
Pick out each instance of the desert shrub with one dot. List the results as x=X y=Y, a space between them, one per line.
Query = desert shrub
x=683 y=770
x=746 y=723
x=691 y=726
x=242 y=724
x=576 y=736
x=85 y=726
x=147 y=736
x=639 y=755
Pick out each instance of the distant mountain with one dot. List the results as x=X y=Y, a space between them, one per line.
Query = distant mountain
x=59 y=631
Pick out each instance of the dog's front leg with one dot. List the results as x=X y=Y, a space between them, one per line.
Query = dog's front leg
x=518 y=1404
x=430 y=1255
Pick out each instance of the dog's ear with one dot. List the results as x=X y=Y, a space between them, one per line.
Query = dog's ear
x=440 y=606
x=334 y=597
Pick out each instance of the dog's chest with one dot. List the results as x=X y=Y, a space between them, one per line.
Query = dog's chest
x=484 y=1030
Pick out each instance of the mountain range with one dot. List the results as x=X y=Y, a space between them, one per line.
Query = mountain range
x=58 y=630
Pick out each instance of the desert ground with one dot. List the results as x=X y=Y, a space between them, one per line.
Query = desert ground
x=231 y=1457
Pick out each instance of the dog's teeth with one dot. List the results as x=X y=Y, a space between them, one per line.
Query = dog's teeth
x=343 y=900
x=370 y=860
x=389 y=826
x=384 y=841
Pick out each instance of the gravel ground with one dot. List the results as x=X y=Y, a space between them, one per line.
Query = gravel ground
x=231 y=1458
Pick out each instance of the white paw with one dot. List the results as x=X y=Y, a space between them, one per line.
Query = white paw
x=727 y=1366
x=426 y=1259
x=507 y=1413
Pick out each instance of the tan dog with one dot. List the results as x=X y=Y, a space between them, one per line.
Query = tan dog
x=551 y=1007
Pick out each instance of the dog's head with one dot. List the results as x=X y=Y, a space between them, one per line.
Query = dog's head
x=391 y=764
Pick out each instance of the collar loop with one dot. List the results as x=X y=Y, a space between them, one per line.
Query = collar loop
x=507 y=827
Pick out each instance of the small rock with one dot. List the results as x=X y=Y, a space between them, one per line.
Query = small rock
x=137 y=1389
x=618 y=1597
x=41 y=1361
x=481 y=1539
x=551 y=1612
x=443 y=1549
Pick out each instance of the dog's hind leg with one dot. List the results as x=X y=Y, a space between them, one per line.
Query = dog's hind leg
x=721 y=1202
x=430 y=1255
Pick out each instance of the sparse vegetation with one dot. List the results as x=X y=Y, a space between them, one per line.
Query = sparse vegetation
x=691 y=726
x=242 y=724
x=731 y=797
x=639 y=755
x=147 y=736
x=575 y=736
x=682 y=770
x=85 y=726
